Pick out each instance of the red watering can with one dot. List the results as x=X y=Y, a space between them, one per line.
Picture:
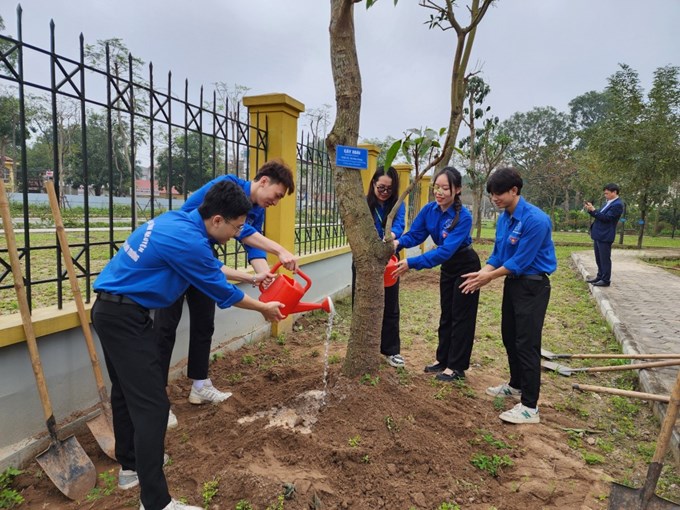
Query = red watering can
x=391 y=266
x=289 y=292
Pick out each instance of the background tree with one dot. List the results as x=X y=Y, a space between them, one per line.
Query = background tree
x=229 y=99
x=97 y=159
x=639 y=139
x=539 y=138
x=124 y=70
x=197 y=160
x=484 y=147
x=59 y=132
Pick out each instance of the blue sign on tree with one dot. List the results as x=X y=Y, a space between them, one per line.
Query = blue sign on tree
x=351 y=157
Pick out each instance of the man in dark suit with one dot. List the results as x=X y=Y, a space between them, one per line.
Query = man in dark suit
x=603 y=232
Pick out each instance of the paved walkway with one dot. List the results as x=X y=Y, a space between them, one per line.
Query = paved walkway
x=642 y=306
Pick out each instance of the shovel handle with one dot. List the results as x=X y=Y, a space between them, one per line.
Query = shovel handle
x=634 y=366
x=25 y=311
x=75 y=288
x=654 y=469
x=616 y=356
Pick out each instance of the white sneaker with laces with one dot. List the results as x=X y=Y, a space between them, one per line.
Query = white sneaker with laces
x=520 y=414
x=207 y=394
x=127 y=478
x=176 y=505
x=505 y=391
x=395 y=360
x=172 y=420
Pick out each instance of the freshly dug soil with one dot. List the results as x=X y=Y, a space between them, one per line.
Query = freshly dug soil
x=400 y=440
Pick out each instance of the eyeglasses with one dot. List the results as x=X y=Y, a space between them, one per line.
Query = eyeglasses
x=439 y=189
x=383 y=189
x=238 y=228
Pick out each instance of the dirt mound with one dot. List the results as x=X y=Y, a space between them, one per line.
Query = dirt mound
x=397 y=439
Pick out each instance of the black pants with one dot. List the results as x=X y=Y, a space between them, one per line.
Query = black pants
x=524 y=305
x=201 y=328
x=390 y=342
x=138 y=399
x=603 y=259
x=458 y=317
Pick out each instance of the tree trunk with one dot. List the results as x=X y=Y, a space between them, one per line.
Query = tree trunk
x=478 y=196
x=643 y=218
x=369 y=252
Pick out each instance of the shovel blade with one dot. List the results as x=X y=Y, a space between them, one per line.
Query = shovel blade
x=627 y=498
x=68 y=466
x=102 y=430
x=556 y=367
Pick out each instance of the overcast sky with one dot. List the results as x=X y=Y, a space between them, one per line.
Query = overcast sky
x=531 y=52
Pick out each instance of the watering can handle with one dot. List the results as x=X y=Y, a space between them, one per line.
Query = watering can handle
x=298 y=271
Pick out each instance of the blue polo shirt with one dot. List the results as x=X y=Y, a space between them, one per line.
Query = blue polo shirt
x=162 y=258
x=398 y=224
x=432 y=221
x=524 y=242
x=254 y=218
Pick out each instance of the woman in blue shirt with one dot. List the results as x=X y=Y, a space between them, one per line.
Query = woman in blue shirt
x=382 y=195
x=449 y=224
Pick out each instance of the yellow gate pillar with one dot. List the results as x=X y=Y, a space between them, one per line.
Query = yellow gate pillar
x=424 y=198
x=404 y=173
x=373 y=153
x=279 y=113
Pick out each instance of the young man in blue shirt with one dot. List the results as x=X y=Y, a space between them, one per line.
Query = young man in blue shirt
x=525 y=254
x=271 y=183
x=153 y=268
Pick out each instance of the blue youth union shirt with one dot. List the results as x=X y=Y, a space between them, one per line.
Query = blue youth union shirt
x=524 y=242
x=162 y=258
x=432 y=221
x=254 y=218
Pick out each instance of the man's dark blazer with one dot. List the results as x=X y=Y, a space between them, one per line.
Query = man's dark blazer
x=603 y=229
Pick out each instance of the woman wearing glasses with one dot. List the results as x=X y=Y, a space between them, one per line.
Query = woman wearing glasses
x=449 y=224
x=382 y=195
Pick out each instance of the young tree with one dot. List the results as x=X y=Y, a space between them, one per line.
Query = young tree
x=370 y=253
x=444 y=18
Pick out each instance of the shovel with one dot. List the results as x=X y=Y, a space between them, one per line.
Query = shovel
x=65 y=462
x=627 y=498
x=550 y=355
x=101 y=425
x=567 y=371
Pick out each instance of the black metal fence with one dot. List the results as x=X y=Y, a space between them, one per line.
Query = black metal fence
x=124 y=146
x=318 y=225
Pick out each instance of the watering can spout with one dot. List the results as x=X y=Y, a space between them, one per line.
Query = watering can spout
x=307 y=307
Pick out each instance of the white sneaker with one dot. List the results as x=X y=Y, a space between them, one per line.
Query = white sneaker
x=127 y=478
x=520 y=414
x=172 y=420
x=207 y=394
x=504 y=390
x=176 y=505
x=395 y=360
